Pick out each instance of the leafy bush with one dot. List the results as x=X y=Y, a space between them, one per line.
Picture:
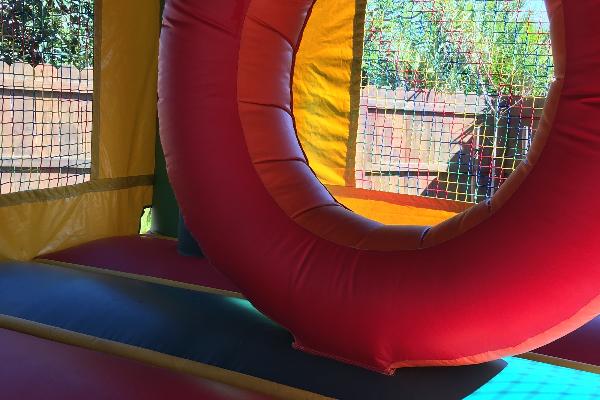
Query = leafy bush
x=57 y=32
x=472 y=46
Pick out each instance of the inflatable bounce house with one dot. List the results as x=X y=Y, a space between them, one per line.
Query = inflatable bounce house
x=353 y=199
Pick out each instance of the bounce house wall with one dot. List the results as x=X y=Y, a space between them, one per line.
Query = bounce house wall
x=326 y=85
x=123 y=138
x=127 y=98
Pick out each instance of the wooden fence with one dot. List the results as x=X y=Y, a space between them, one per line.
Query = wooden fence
x=420 y=143
x=454 y=146
x=45 y=126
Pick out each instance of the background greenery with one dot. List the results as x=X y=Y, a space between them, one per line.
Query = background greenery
x=472 y=46
x=413 y=44
x=57 y=32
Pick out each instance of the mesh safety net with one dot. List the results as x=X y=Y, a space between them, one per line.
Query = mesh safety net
x=451 y=94
x=46 y=84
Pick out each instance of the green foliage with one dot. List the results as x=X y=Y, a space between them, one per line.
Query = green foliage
x=57 y=32
x=473 y=46
x=146 y=221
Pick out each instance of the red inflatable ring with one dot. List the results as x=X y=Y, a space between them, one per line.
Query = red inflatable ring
x=377 y=296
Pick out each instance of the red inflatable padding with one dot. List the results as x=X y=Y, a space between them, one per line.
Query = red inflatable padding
x=502 y=278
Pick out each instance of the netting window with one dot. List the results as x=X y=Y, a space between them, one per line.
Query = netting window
x=46 y=84
x=451 y=96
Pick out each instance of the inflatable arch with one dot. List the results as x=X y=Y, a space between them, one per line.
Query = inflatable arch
x=375 y=295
